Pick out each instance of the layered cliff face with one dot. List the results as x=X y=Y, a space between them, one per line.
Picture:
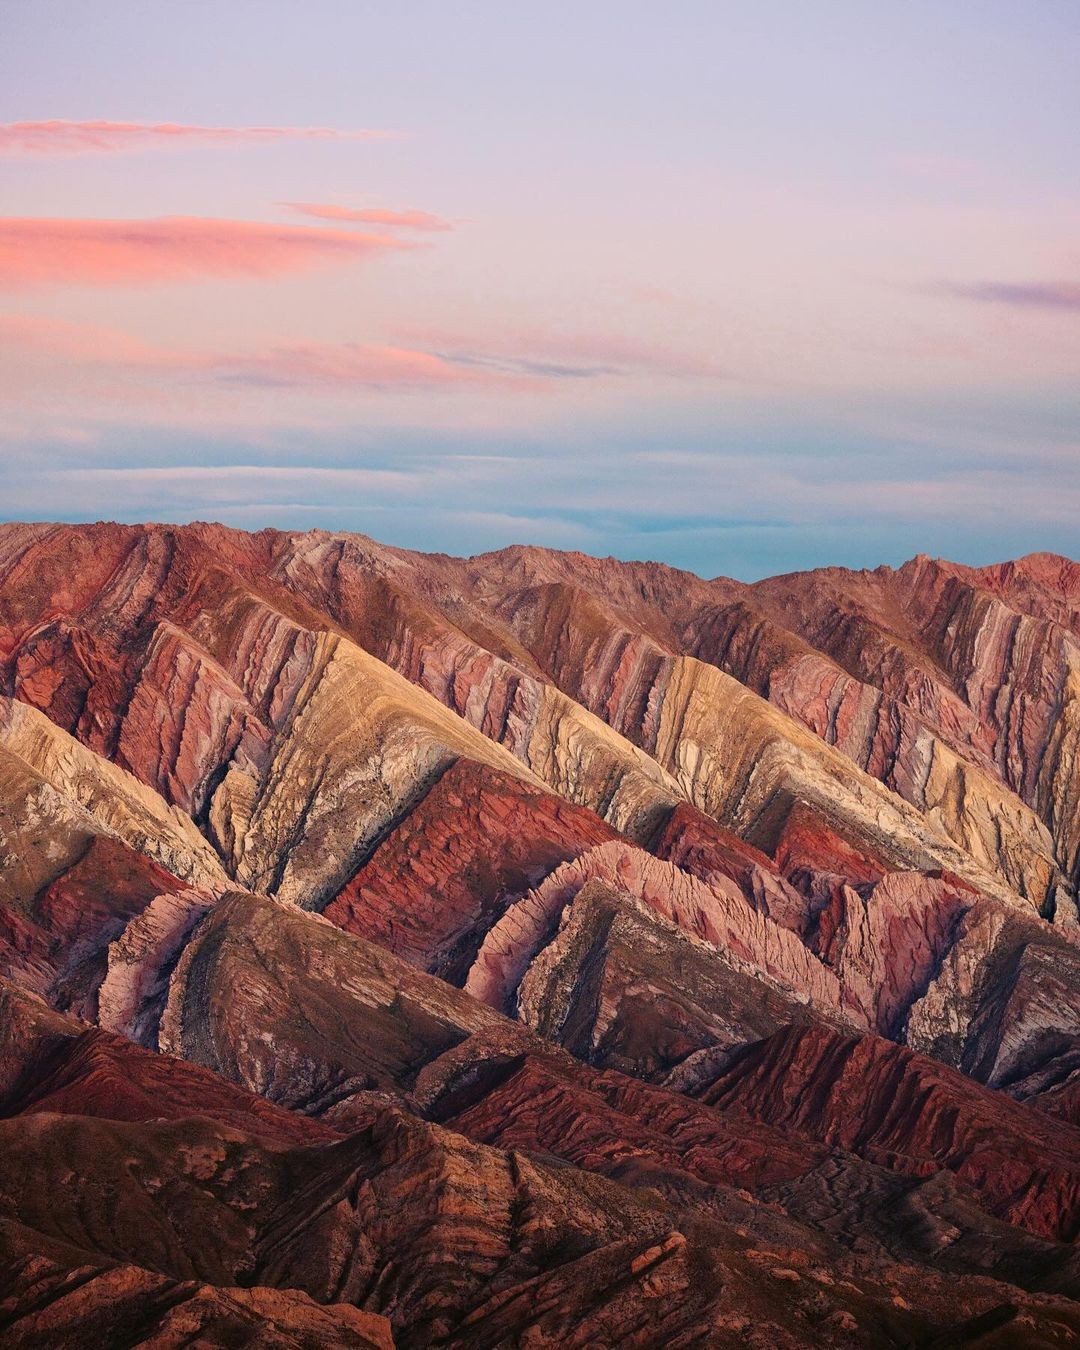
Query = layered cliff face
x=533 y=949
x=947 y=683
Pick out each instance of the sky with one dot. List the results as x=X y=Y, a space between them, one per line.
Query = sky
x=741 y=287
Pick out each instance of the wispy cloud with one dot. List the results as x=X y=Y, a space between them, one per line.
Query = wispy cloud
x=353 y=364
x=1025 y=295
x=311 y=365
x=235 y=480
x=81 y=138
x=343 y=365
x=569 y=354
x=50 y=251
x=60 y=340
x=409 y=220
x=62 y=349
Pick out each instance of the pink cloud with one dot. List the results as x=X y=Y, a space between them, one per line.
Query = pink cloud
x=568 y=354
x=535 y=362
x=42 y=252
x=79 y=138
x=299 y=365
x=353 y=364
x=60 y=340
x=409 y=220
x=428 y=359
x=1063 y=295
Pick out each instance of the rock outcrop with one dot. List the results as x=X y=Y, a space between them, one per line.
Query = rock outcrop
x=715 y=913
x=904 y=1111
x=472 y=847
x=621 y=987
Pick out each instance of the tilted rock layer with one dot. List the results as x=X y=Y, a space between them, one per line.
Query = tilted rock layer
x=533 y=949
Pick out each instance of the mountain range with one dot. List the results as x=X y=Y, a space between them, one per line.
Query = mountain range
x=533 y=949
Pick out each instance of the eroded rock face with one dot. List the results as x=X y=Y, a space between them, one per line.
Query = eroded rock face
x=498 y=1084
x=886 y=946
x=584 y=672
x=471 y=1265
x=363 y=1022
x=57 y=1294
x=327 y=799
x=95 y=1074
x=715 y=912
x=469 y=850
x=537 y=949
x=621 y=987
x=626 y=665
x=29 y=1030
x=131 y=997
x=938 y=679
x=58 y=941
x=485 y=1230
x=903 y=1110
x=287 y=1006
x=1004 y=1006
x=56 y=790
x=697 y=844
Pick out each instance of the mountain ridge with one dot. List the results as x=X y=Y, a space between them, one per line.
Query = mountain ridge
x=590 y=878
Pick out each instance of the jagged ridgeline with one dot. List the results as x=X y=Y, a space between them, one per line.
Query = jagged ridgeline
x=533 y=949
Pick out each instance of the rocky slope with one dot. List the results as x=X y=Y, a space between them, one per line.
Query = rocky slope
x=533 y=949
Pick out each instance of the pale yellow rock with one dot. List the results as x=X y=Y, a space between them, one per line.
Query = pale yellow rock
x=977 y=812
x=575 y=752
x=734 y=755
x=579 y=756
x=1059 y=782
x=358 y=749
x=96 y=795
x=42 y=834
